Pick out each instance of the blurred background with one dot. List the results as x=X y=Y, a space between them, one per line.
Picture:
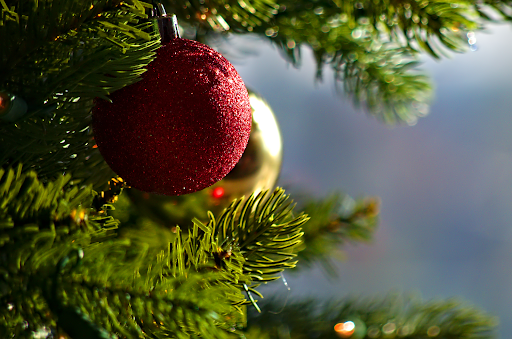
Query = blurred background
x=445 y=183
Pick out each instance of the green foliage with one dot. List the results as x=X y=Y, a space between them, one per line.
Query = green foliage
x=136 y=207
x=59 y=64
x=249 y=243
x=39 y=224
x=335 y=221
x=393 y=316
x=33 y=210
x=223 y=15
x=186 y=284
x=264 y=230
x=375 y=72
x=252 y=241
x=190 y=287
x=372 y=46
x=429 y=25
x=132 y=294
x=502 y=8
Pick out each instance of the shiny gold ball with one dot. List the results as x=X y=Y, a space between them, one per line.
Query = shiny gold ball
x=260 y=165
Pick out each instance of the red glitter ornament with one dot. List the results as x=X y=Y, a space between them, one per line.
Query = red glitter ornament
x=180 y=129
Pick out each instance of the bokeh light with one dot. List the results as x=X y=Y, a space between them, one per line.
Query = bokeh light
x=218 y=192
x=345 y=329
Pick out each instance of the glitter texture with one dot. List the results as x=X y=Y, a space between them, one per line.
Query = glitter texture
x=180 y=129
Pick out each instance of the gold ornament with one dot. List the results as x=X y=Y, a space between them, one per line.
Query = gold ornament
x=260 y=165
x=257 y=170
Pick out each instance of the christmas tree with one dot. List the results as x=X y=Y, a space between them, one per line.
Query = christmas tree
x=85 y=254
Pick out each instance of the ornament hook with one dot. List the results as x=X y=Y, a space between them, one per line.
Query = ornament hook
x=167 y=25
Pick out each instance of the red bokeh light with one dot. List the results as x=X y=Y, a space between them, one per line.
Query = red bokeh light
x=218 y=192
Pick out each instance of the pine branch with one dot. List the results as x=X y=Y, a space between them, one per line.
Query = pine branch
x=434 y=27
x=404 y=317
x=386 y=83
x=39 y=224
x=335 y=221
x=118 y=287
x=377 y=74
x=123 y=286
x=132 y=297
x=428 y=25
x=167 y=211
x=265 y=232
x=251 y=242
x=90 y=52
x=372 y=45
x=223 y=15
x=504 y=8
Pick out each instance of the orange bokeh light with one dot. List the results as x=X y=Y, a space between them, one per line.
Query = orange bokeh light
x=345 y=330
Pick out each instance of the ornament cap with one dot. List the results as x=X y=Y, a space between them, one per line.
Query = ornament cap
x=167 y=25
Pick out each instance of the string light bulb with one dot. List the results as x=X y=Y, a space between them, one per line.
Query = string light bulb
x=345 y=329
x=353 y=328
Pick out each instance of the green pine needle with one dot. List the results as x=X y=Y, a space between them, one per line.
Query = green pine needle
x=393 y=316
x=59 y=64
